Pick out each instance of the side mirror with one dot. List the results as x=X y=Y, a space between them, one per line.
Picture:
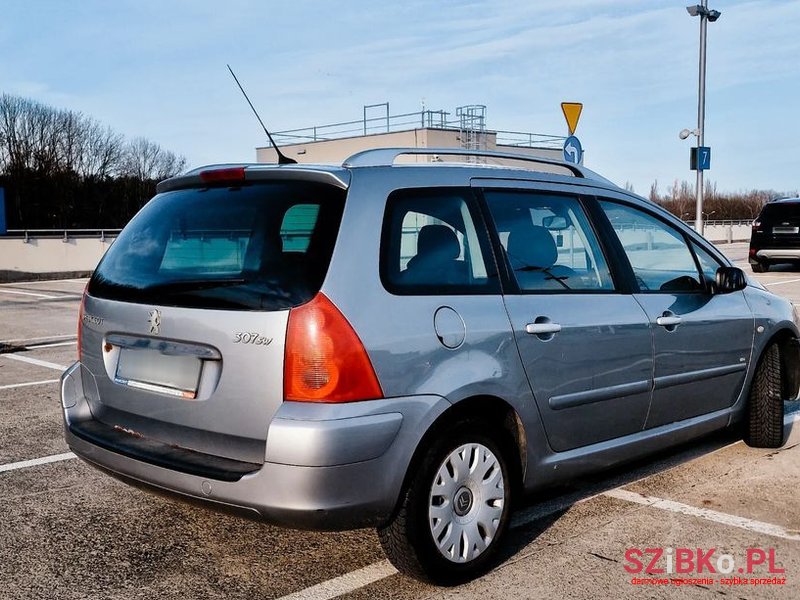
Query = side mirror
x=730 y=279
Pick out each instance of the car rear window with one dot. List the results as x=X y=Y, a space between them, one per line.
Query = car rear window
x=781 y=210
x=263 y=246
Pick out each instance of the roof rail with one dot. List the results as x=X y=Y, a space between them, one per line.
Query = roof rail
x=385 y=157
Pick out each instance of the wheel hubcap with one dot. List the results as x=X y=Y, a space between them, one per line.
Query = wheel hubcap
x=466 y=502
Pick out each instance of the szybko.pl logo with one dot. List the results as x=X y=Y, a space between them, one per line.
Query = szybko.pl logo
x=671 y=566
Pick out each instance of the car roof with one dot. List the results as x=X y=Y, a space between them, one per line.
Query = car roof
x=527 y=167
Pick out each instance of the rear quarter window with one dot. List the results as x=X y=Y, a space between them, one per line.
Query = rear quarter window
x=264 y=246
x=435 y=243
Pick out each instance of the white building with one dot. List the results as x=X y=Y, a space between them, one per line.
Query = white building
x=424 y=129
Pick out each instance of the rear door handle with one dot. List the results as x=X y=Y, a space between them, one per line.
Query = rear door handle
x=542 y=328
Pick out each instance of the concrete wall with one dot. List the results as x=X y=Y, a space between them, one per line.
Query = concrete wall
x=40 y=256
x=727 y=233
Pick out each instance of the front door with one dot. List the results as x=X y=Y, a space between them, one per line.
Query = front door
x=702 y=340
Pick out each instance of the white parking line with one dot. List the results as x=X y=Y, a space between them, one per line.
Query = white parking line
x=24 y=342
x=24 y=464
x=27 y=384
x=53 y=345
x=781 y=282
x=703 y=513
x=48 y=296
x=35 y=361
x=47 y=281
x=346 y=583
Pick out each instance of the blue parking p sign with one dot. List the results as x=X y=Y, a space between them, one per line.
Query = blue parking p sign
x=700 y=158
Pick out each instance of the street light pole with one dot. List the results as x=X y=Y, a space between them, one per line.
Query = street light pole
x=700 y=10
x=701 y=113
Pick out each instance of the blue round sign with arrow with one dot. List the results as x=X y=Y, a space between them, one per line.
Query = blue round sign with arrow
x=573 y=151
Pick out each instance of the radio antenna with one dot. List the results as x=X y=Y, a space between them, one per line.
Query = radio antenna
x=282 y=158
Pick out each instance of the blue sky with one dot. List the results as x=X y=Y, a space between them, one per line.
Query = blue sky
x=157 y=69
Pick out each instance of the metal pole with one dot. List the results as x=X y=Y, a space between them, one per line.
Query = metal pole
x=701 y=115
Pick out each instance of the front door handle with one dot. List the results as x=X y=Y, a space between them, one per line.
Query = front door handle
x=542 y=328
x=668 y=320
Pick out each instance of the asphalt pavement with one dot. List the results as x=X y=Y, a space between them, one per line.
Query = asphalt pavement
x=67 y=531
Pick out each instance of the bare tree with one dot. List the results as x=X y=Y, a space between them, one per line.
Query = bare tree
x=61 y=166
x=146 y=160
x=103 y=152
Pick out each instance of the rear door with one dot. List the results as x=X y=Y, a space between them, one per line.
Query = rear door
x=702 y=340
x=185 y=318
x=584 y=342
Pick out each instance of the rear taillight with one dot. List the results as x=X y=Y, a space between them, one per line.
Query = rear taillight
x=80 y=322
x=325 y=360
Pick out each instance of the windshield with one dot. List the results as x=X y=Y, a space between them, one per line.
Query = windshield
x=263 y=246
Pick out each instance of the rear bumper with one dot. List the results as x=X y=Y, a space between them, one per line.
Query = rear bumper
x=776 y=254
x=327 y=467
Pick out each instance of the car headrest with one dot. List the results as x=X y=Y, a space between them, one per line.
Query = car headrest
x=531 y=246
x=438 y=240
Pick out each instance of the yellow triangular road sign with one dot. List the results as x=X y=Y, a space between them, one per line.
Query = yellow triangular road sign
x=572 y=112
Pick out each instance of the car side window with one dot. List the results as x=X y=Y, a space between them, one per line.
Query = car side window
x=708 y=264
x=297 y=225
x=658 y=254
x=431 y=245
x=548 y=242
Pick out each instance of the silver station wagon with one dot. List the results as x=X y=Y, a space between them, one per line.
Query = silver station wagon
x=412 y=341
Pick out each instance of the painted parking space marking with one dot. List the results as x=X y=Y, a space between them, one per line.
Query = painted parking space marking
x=36 y=295
x=27 y=384
x=51 y=345
x=703 y=513
x=35 y=462
x=35 y=361
x=782 y=282
x=344 y=584
x=50 y=281
x=33 y=340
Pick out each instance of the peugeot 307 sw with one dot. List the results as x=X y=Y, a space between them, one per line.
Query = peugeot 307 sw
x=411 y=344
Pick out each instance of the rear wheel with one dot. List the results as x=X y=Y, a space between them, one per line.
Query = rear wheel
x=455 y=511
x=765 y=405
x=759 y=267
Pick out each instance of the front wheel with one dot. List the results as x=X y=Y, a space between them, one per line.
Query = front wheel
x=765 y=404
x=455 y=510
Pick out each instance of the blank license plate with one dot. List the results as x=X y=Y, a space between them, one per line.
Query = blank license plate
x=156 y=372
x=785 y=229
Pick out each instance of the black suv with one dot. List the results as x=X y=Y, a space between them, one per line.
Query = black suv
x=776 y=235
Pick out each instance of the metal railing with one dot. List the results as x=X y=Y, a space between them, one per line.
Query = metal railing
x=722 y=223
x=434 y=119
x=424 y=119
x=65 y=234
x=524 y=139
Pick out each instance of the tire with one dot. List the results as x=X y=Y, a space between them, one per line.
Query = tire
x=482 y=512
x=765 y=404
x=759 y=267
